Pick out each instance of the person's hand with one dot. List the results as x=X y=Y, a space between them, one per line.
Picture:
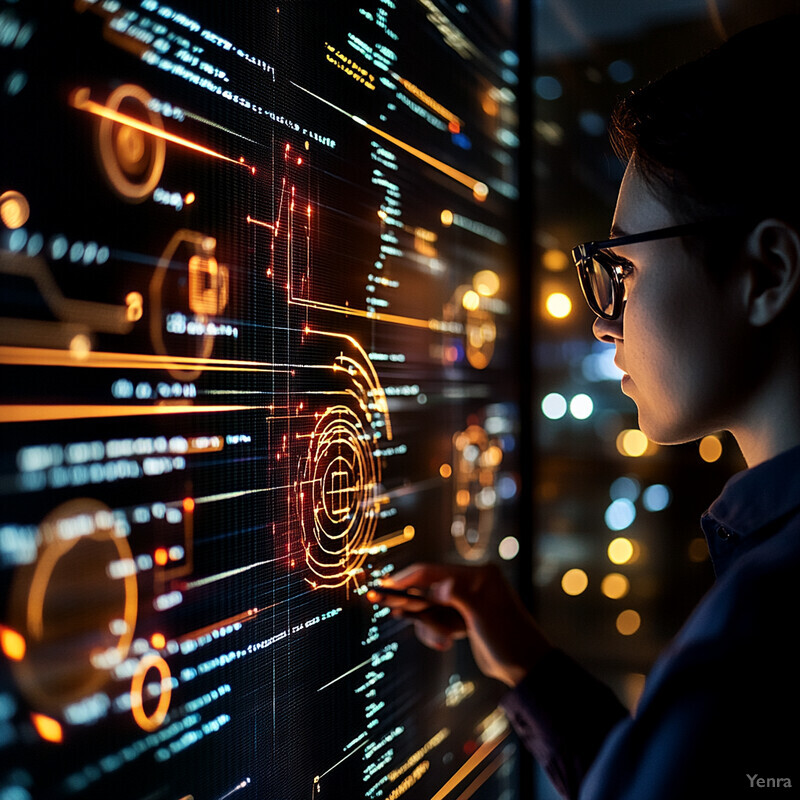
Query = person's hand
x=475 y=602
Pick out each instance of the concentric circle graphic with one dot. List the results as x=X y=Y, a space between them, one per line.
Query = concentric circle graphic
x=133 y=160
x=337 y=500
x=74 y=638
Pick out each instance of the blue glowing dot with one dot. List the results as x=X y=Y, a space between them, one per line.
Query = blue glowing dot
x=656 y=497
x=592 y=123
x=620 y=514
x=35 y=244
x=17 y=240
x=548 y=87
x=625 y=487
x=76 y=252
x=506 y=487
x=620 y=71
x=510 y=58
x=15 y=82
x=58 y=247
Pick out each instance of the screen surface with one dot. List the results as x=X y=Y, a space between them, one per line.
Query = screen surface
x=256 y=340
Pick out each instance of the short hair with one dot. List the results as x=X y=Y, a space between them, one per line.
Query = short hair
x=718 y=136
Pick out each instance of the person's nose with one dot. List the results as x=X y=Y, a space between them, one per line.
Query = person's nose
x=608 y=330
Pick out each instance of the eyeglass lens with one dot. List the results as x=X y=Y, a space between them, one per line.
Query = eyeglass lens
x=600 y=284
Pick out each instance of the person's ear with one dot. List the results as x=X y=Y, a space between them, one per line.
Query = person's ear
x=772 y=253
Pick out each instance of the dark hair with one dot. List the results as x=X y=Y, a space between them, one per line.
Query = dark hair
x=718 y=136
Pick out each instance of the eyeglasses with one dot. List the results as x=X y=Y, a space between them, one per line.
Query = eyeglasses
x=601 y=272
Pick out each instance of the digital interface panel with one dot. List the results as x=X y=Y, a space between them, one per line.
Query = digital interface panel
x=256 y=328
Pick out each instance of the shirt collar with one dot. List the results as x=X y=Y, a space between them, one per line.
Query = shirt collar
x=750 y=503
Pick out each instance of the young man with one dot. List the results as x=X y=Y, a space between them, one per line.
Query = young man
x=699 y=291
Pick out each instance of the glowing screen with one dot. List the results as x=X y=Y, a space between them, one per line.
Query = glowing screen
x=257 y=276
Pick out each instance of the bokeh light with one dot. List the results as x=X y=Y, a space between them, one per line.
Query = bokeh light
x=632 y=443
x=14 y=209
x=620 y=550
x=558 y=305
x=574 y=582
x=486 y=283
x=656 y=497
x=710 y=448
x=698 y=550
x=471 y=300
x=555 y=260
x=554 y=405
x=581 y=406
x=628 y=622
x=615 y=585
x=624 y=488
x=620 y=514
x=508 y=548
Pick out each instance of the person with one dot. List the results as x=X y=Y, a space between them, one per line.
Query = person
x=697 y=289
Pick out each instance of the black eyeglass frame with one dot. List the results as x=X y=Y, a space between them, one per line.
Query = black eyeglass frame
x=583 y=253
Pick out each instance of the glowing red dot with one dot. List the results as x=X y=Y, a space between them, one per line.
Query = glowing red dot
x=161 y=556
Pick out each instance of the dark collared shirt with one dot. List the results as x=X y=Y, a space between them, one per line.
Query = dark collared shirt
x=719 y=714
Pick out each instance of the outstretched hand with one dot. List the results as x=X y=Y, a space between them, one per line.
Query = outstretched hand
x=475 y=602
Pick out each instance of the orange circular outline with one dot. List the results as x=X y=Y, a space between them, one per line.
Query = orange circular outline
x=150 y=723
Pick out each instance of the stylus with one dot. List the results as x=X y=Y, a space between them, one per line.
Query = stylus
x=413 y=593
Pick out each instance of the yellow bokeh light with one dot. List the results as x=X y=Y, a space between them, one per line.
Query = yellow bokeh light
x=555 y=260
x=632 y=442
x=158 y=641
x=445 y=470
x=558 y=305
x=620 y=550
x=462 y=498
x=574 y=581
x=447 y=217
x=48 y=728
x=628 y=622
x=492 y=457
x=12 y=644
x=471 y=300
x=486 y=283
x=615 y=585
x=80 y=346
x=480 y=191
x=710 y=448
x=14 y=209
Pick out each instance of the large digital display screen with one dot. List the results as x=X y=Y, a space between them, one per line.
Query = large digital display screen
x=257 y=346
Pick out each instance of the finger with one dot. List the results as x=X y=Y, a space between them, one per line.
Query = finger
x=430 y=637
x=396 y=602
x=420 y=575
x=473 y=591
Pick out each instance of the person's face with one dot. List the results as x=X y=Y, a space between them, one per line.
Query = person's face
x=679 y=333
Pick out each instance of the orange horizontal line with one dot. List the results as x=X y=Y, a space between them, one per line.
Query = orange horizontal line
x=53 y=357
x=248 y=615
x=358 y=312
x=40 y=413
x=80 y=100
